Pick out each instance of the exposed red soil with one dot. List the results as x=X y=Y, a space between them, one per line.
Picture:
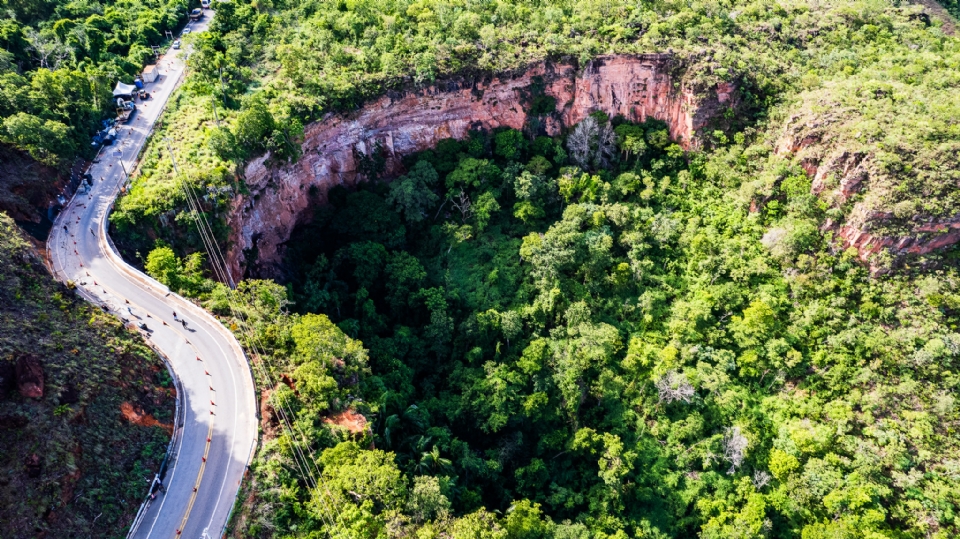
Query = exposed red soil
x=30 y=376
x=136 y=416
x=350 y=420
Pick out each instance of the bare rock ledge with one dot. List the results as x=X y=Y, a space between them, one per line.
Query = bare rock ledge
x=838 y=176
x=635 y=86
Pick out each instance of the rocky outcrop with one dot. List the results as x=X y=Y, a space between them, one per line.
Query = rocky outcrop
x=30 y=376
x=636 y=87
x=841 y=176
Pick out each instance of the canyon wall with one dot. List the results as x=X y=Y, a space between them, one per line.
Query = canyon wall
x=636 y=87
x=847 y=178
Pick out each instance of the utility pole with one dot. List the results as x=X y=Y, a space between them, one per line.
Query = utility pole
x=126 y=177
x=119 y=154
x=173 y=160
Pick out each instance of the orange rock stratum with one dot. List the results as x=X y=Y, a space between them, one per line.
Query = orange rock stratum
x=636 y=87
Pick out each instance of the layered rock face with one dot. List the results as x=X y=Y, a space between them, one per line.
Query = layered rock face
x=838 y=176
x=636 y=87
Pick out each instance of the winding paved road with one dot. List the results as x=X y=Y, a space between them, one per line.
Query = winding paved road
x=216 y=432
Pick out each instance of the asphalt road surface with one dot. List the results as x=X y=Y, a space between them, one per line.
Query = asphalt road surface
x=216 y=435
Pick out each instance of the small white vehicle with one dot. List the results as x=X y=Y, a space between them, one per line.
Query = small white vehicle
x=185 y=31
x=176 y=44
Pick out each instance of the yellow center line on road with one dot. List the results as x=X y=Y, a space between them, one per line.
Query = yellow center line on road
x=206 y=449
x=196 y=488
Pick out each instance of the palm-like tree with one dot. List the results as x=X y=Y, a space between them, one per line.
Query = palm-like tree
x=432 y=462
x=392 y=426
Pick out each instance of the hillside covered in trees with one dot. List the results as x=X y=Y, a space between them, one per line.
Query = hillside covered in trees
x=59 y=62
x=582 y=352
x=86 y=409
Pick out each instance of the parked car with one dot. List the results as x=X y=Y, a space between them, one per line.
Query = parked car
x=196 y=14
x=176 y=43
x=186 y=31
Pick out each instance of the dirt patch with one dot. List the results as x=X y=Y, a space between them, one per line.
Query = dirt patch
x=32 y=465
x=285 y=378
x=136 y=416
x=938 y=12
x=30 y=376
x=67 y=486
x=350 y=420
x=269 y=421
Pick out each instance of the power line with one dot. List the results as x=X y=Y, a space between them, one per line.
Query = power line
x=299 y=458
x=218 y=263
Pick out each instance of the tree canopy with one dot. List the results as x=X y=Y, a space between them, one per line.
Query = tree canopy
x=596 y=334
x=59 y=61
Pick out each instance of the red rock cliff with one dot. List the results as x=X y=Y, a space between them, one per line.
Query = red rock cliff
x=840 y=175
x=636 y=87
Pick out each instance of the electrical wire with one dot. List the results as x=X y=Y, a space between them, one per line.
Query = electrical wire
x=218 y=263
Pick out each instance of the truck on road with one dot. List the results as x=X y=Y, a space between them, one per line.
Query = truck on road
x=124 y=110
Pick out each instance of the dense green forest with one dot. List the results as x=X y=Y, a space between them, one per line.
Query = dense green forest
x=877 y=77
x=598 y=334
x=60 y=60
x=623 y=351
x=70 y=464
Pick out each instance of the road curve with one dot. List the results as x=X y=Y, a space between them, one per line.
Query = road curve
x=216 y=432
